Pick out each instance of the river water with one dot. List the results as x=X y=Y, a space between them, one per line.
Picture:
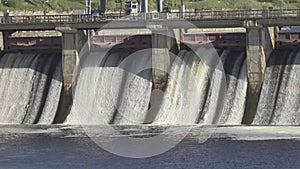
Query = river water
x=31 y=147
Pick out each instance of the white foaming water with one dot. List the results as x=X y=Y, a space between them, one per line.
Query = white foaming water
x=239 y=102
x=215 y=93
x=106 y=93
x=196 y=93
x=25 y=94
x=196 y=97
x=53 y=95
x=280 y=96
x=175 y=108
x=236 y=91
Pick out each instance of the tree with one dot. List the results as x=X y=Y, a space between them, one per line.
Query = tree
x=279 y=3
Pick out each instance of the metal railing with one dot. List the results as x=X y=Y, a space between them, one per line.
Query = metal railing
x=201 y=15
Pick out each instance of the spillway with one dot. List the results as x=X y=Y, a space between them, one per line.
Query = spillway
x=30 y=88
x=196 y=92
x=116 y=87
x=110 y=91
x=280 y=95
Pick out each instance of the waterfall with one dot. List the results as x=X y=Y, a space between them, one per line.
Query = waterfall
x=108 y=93
x=199 y=99
x=109 y=90
x=30 y=87
x=113 y=88
x=236 y=78
x=280 y=95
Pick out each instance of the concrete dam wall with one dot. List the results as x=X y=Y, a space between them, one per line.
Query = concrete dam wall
x=111 y=89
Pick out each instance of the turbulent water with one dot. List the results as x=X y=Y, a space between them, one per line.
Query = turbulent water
x=111 y=89
x=30 y=88
x=115 y=87
x=236 y=77
x=279 y=102
x=196 y=92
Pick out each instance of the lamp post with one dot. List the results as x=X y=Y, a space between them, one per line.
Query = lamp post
x=88 y=7
x=120 y=6
x=44 y=6
x=182 y=9
x=144 y=6
x=102 y=6
x=120 y=1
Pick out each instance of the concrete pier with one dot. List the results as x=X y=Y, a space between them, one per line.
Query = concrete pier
x=259 y=45
x=163 y=45
x=6 y=35
x=72 y=42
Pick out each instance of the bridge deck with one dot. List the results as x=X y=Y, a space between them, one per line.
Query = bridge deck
x=203 y=19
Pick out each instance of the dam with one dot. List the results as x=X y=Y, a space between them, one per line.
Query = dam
x=250 y=79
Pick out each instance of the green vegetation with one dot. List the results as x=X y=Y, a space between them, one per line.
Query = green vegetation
x=114 y=5
x=43 y=5
x=241 y=4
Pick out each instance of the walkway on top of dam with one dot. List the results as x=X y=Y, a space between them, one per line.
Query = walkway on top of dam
x=201 y=19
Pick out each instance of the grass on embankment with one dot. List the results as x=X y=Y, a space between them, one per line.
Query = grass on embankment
x=69 y=5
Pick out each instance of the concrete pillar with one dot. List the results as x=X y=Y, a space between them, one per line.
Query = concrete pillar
x=259 y=46
x=145 y=6
x=182 y=9
x=72 y=42
x=269 y=40
x=159 y=5
x=178 y=36
x=102 y=6
x=162 y=46
x=1 y=41
x=6 y=35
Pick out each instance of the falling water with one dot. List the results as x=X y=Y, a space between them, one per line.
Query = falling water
x=109 y=92
x=30 y=87
x=116 y=87
x=280 y=95
x=196 y=92
x=236 y=88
